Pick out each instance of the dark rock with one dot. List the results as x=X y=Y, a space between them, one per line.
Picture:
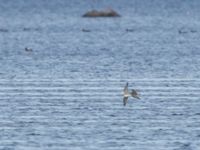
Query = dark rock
x=102 y=13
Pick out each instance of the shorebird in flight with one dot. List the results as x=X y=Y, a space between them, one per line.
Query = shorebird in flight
x=133 y=93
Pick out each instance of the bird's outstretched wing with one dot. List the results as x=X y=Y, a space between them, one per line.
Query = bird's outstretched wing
x=134 y=94
x=126 y=88
x=125 y=100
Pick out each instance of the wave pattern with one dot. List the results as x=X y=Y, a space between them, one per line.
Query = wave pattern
x=89 y=114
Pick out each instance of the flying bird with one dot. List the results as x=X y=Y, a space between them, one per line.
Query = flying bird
x=133 y=93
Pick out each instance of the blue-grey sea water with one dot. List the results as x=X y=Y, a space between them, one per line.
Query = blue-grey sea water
x=62 y=75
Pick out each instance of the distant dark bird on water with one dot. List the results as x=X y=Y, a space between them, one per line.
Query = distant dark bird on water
x=28 y=49
x=85 y=30
x=133 y=93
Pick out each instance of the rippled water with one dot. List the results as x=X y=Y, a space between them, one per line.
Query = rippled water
x=89 y=114
x=67 y=92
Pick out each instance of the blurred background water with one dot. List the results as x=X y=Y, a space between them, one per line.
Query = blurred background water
x=66 y=92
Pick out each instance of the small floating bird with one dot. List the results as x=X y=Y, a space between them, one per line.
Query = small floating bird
x=85 y=30
x=127 y=94
x=28 y=49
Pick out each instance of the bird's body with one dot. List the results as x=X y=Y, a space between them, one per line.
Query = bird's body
x=127 y=94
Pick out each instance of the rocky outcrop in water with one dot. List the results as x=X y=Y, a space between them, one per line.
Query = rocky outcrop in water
x=102 y=13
